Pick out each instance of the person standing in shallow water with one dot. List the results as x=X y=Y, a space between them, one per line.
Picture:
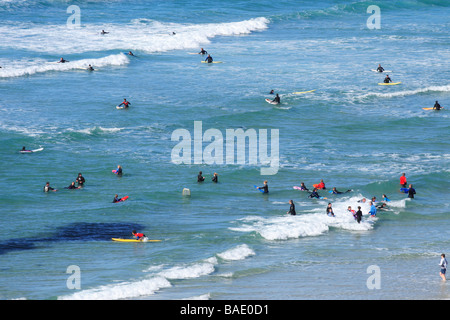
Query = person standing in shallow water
x=292 y=208
x=443 y=265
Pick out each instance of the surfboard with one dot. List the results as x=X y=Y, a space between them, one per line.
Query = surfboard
x=298 y=188
x=405 y=190
x=134 y=240
x=117 y=107
x=212 y=62
x=122 y=199
x=389 y=84
x=431 y=108
x=260 y=190
x=374 y=70
x=300 y=92
x=31 y=151
x=271 y=102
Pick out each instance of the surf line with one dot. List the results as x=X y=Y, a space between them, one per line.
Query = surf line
x=220 y=151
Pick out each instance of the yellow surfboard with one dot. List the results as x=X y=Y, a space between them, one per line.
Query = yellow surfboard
x=212 y=62
x=389 y=84
x=133 y=240
x=303 y=92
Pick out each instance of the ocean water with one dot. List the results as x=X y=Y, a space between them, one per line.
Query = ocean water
x=227 y=240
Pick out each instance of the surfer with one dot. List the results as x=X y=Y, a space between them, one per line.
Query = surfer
x=358 y=214
x=130 y=53
x=104 y=32
x=90 y=68
x=200 y=177
x=382 y=206
x=62 y=60
x=384 y=198
x=303 y=187
x=373 y=210
x=437 y=106
x=80 y=180
x=215 y=178
x=47 y=188
x=403 y=181
x=276 y=99
x=380 y=68
x=443 y=264
x=25 y=150
x=353 y=212
x=72 y=186
x=271 y=92
x=411 y=192
x=265 y=187
x=292 y=208
x=320 y=185
x=125 y=103
x=329 y=211
x=118 y=171
x=203 y=51
x=209 y=59
x=138 y=236
x=387 y=79
x=314 y=194
x=334 y=191
x=116 y=198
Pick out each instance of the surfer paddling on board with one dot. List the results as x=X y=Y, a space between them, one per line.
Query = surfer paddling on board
x=380 y=68
x=209 y=59
x=387 y=79
x=125 y=103
x=138 y=236
x=203 y=51
x=62 y=60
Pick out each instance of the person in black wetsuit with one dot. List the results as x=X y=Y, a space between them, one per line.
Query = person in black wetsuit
x=72 y=186
x=411 y=192
x=292 y=208
x=358 y=215
x=203 y=51
x=387 y=79
x=265 y=187
x=380 y=68
x=80 y=180
x=209 y=59
x=437 y=106
x=303 y=187
x=215 y=178
x=314 y=194
x=277 y=99
x=334 y=191
x=330 y=212
x=200 y=178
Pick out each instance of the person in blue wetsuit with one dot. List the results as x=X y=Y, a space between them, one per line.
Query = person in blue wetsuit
x=209 y=59
x=373 y=210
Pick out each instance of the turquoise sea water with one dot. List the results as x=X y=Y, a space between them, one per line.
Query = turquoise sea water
x=227 y=240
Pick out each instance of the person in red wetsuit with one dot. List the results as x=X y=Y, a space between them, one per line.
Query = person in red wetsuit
x=403 y=182
x=125 y=103
x=138 y=236
x=320 y=185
